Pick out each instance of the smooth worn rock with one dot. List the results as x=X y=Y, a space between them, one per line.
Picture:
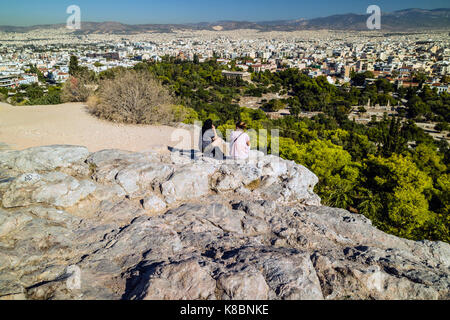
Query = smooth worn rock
x=154 y=204
x=243 y=286
x=190 y=181
x=184 y=280
x=43 y=158
x=141 y=177
x=53 y=188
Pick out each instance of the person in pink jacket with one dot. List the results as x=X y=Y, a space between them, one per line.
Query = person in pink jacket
x=240 y=142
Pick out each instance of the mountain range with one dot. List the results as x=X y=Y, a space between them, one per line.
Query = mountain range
x=402 y=20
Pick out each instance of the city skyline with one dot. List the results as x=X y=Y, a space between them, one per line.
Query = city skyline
x=29 y=13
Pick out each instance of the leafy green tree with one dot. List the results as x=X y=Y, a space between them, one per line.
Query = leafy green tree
x=400 y=188
x=392 y=139
x=442 y=198
x=442 y=126
x=420 y=77
x=362 y=110
x=188 y=114
x=274 y=105
x=416 y=107
x=35 y=70
x=196 y=59
x=73 y=66
x=429 y=160
x=384 y=85
x=359 y=79
x=331 y=163
x=34 y=91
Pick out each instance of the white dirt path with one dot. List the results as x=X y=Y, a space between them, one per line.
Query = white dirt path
x=70 y=123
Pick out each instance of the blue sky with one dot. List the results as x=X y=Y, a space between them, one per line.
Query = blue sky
x=32 y=12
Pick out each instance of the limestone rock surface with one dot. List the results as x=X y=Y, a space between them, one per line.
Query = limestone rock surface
x=121 y=225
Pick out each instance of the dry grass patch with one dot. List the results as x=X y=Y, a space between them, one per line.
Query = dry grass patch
x=255 y=184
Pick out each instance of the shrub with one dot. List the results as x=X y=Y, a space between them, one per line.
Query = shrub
x=50 y=98
x=274 y=105
x=77 y=89
x=442 y=126
x=188 y=114
x=134 y=97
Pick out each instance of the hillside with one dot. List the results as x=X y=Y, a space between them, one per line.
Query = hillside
x=164 y=226
x=402 y=20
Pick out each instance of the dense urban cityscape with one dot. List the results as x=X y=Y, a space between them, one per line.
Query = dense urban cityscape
x=334 y=54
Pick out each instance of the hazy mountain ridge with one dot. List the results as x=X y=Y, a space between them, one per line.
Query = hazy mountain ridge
x=402 y=20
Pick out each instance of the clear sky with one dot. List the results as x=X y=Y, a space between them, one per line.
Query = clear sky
x=32 y=12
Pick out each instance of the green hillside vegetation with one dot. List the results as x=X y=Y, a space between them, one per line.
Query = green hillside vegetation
x=33 y=94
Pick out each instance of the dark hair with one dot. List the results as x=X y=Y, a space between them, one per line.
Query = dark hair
x=241 y=125
x=207 y=126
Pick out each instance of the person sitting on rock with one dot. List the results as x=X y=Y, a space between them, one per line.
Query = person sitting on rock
x=211 y=141
x=240 y=142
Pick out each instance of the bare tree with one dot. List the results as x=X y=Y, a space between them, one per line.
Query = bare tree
x=133 y=97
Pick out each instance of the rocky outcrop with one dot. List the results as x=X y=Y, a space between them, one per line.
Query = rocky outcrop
x=166 y=226
x=53 y=188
